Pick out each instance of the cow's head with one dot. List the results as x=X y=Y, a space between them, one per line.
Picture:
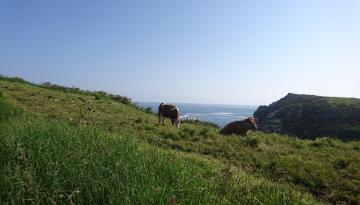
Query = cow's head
x=177 y=122
x=252 y=123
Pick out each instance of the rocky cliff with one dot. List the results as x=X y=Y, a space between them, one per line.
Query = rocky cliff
x=309 y=116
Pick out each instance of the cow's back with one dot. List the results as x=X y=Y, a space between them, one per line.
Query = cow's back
x=237 y=127
x=169 y=111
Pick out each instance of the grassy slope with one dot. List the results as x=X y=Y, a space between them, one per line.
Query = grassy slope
x=328 y=168
x=54 y=163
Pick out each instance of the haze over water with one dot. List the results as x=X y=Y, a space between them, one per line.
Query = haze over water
x=218 y=114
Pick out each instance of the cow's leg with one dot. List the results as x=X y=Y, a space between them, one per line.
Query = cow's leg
x=243 y=132
x=161 y=118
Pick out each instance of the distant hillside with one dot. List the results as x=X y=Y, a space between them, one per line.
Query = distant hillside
x=310 y=116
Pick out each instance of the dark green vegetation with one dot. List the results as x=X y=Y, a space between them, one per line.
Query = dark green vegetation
x=309 y=116
x=77 y=147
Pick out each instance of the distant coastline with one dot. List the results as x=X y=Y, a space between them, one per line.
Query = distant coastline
x=214 y=113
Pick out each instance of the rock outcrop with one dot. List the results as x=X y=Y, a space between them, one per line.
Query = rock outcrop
x=309 y=116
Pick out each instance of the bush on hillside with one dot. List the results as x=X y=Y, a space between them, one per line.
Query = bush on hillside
x=14 y=79
x=149 y=110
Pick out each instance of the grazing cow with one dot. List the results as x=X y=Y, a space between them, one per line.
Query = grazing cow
x=169 y=111
x=240 y=127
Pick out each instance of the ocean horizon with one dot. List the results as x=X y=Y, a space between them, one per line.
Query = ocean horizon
x=214 y=113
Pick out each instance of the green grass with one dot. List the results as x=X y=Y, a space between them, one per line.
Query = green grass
x=7 y=110
x=277 y=167
x=51 y=162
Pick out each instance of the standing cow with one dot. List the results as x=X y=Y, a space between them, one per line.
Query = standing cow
x=169 y=111
x=240 y=127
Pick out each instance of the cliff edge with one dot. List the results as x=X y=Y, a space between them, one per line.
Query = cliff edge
x=310 y=116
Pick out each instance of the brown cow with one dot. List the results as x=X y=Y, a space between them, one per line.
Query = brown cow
x=169 y=111
x=240 y=127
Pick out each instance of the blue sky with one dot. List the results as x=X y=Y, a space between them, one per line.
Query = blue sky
x=204 y=51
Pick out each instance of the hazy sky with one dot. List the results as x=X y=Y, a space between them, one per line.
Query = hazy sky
x=227 y=52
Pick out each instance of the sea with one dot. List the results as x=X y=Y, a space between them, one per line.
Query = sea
x=214 y=113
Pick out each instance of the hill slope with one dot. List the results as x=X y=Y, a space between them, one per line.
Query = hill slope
x=327 y=168
x=309 y=116
x=49 y=162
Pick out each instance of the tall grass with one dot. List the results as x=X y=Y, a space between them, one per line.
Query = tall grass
x=7 y=110
x=49 y=162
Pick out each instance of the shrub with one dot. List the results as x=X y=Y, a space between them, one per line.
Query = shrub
x=149 y=110
x=121 y=99
x=14 y=79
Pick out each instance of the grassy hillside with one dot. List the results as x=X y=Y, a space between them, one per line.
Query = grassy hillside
x=50 y=162
x=286 y=167
x=309 y=116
